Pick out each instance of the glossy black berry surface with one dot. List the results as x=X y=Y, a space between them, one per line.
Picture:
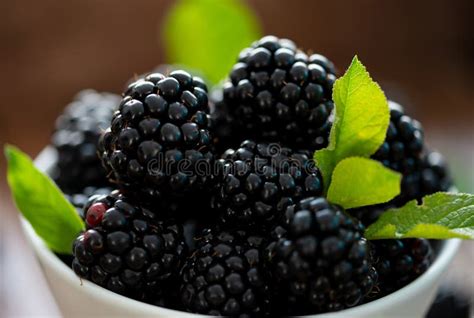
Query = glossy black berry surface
x=76 y=138
x=258 y=181
x=424 y=171
x=434 y=175
x=127 y=250
x=159 y=136
x=225 y=276
x=276 y=92
x=399 y=262
x=319 y=259
x=404 y=150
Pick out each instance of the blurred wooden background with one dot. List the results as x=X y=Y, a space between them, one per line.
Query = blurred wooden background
x=422 y=52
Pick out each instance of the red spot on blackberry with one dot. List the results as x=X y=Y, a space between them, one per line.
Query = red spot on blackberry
x=131 y=252
x=95 y=213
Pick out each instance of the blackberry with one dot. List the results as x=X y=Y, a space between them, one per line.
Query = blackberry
x=276 y=92
x=423 y=171
x=127 y=249
x=159 y=137
x=319 y=259
x=76 y=137
x=225 y=276
x=258 y=181
x=404 y=150
x=399 y=262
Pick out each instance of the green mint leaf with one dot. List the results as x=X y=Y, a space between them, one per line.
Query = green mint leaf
x=208 y=35
x=361 y=119
x=41 y=202
x=358 y=181
x=440 y=216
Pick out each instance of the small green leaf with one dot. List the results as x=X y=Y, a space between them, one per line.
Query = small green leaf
x=361 y=119
x=208 y=35
x=360 y=181
x=41 y=202
x=440 y=216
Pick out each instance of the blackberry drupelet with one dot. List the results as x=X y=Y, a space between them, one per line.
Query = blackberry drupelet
x=81 y=200
x=127 y=250
x=319 y=259
x=225 y=276
x=276 y=92
x=434 y=175
x=76 y=137
x=159 y=143
x=399 y=262
x=258 y=181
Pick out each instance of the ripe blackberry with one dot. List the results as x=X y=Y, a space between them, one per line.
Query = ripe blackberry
x=225 y=276
x=258 y=181
x=159 y=140
x=404 y=143
x=76 y=137
x=423 y=171
x=276 y=92
x=127 y=250
x=319 y=259
x=399 y=262
x=404 y=150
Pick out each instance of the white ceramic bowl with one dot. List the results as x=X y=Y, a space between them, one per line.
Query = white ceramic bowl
x=80 y=298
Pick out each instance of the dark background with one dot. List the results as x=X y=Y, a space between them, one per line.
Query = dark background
x=422 y=53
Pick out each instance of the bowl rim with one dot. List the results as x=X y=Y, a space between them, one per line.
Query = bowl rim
x=442 y=259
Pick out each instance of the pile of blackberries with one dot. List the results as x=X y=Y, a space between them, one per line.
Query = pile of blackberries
x=214 y=205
